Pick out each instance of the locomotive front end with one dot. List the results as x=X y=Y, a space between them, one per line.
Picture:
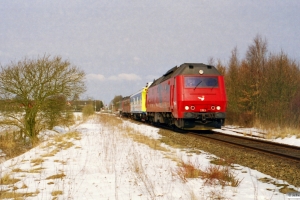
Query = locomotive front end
x=202 y=100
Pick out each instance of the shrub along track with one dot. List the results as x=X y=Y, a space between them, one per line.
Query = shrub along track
x=274 y=165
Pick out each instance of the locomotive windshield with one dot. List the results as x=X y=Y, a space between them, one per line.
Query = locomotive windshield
x=201 y=82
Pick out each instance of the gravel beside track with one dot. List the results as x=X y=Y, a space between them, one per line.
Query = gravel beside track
x=274 y=166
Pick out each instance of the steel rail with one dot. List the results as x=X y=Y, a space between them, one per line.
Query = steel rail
x=282 y=150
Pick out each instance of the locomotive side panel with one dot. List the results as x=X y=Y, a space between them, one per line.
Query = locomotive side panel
x=158 y=98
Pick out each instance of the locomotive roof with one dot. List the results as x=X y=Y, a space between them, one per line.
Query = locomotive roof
x=187 y=69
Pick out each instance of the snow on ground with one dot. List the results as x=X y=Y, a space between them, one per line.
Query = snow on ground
x=249 y=132
x=103 y=164
x=288 y=140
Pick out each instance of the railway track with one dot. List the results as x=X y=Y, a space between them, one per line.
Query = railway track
x=282 y=150
x=254 y=143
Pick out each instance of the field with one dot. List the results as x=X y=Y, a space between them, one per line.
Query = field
x=106 y=157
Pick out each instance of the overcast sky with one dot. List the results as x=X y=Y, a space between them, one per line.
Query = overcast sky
x=123 y=44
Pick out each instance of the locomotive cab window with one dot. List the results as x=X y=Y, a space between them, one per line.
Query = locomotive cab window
x=201 y=82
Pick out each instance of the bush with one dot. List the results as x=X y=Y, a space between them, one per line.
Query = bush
x=88 y=110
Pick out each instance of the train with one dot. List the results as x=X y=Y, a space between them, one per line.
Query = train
x=191 y=96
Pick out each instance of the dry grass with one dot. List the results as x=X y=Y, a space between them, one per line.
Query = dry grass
x=36 y=170
x=7 y=180
x=51 y=153
x=61 y=161
x=111 y=120
x=65 y=145
x=61 y=142
x=74 y=135
x=17 y=195
x=37 y=161
x=216 y=174
x=187 y=170
x=141 y=175
x=56 y=176
x=216 y=195
x=279 y=132
x=274 y=131
x=213 y=174
x=16 y=170
x=56 y=192
x=12 y=145
x=140 y=138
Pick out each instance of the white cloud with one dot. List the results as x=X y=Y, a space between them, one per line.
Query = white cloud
x=96 y=77
x=119 y=77
x=126 y=77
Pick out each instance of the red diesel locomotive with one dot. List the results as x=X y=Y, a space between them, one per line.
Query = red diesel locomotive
x=191 y=96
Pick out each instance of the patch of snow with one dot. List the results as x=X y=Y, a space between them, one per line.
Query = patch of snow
x=293 y=140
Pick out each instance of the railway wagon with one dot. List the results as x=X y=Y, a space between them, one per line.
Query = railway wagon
x=191 y=96
x=125 y=107
x=138 y=104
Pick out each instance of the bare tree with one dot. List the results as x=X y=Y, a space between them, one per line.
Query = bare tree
x=116 y=101
x=256 y=60
x=232 y=88
x=261 y=88
x=57 y=111
x=27 y=85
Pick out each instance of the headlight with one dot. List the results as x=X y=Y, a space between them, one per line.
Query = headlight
x=186 y=108
x=218 y=107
